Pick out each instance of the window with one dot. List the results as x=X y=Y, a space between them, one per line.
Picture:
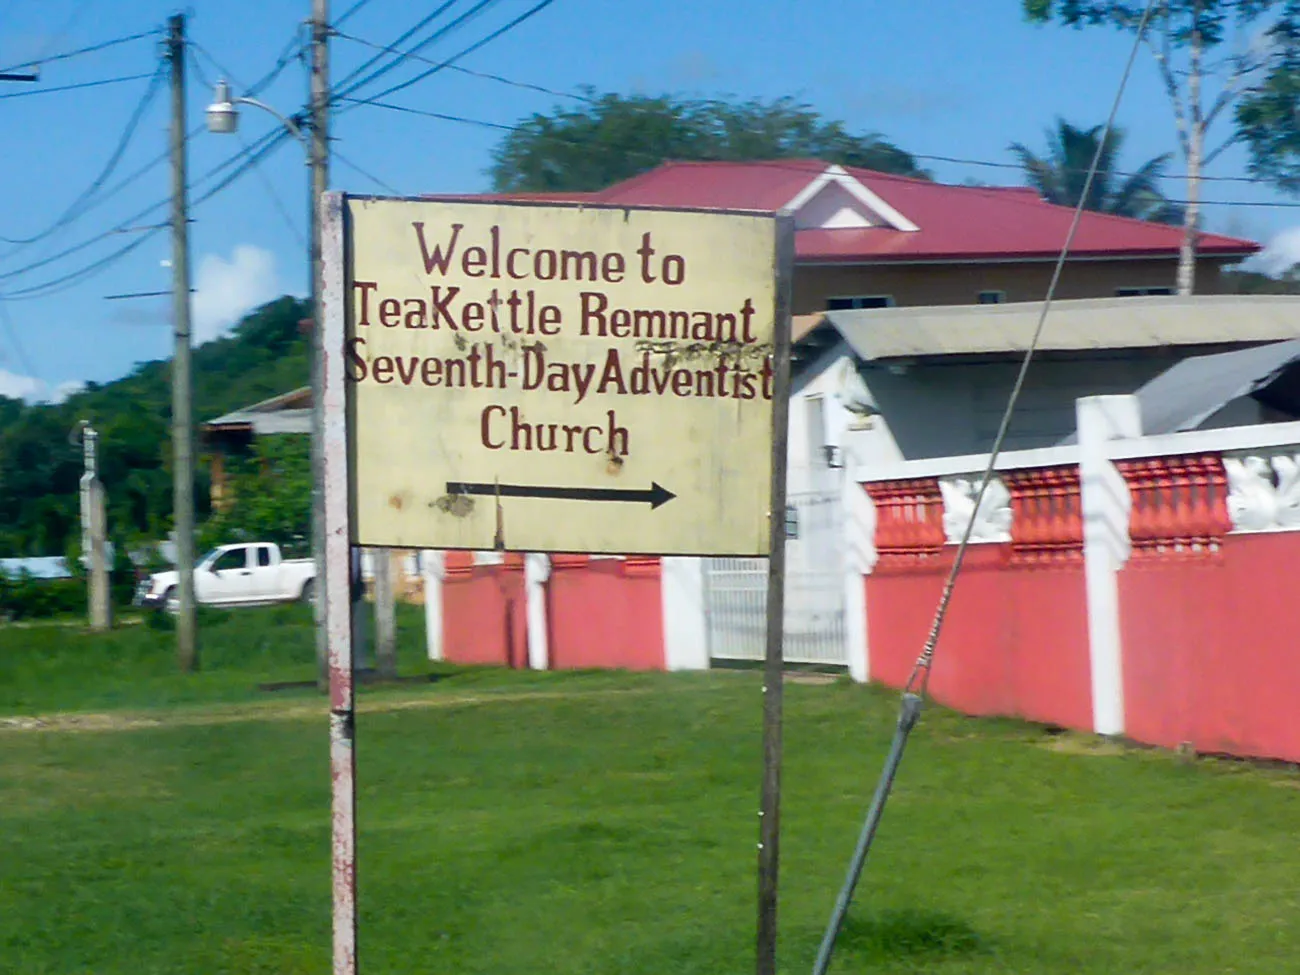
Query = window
x=816 y=416
x=263 y=556
x=859 y=301
x=992 y=297
x=1141 y=292
x=234 y=558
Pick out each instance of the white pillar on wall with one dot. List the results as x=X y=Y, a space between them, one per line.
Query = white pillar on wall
x=686 y=637
x=537 y=572
x=1106 y=503
x=432 y=570
x=859 y=534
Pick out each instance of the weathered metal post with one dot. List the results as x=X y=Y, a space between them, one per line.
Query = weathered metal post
x=338 y=587
x=94 y=517
x=769 y=827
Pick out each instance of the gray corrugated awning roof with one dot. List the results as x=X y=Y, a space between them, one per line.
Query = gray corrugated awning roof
x=1073 y=325
x=1185 y=396
x=279 y=414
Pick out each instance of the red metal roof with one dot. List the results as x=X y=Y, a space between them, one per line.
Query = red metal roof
x=956 y=222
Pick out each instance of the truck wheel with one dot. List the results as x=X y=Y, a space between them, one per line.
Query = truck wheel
x=308 y=595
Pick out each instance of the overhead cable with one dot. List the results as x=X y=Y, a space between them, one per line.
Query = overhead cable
x=102 y=46
x=499 y=32
x=124 y=141
x=914 y=691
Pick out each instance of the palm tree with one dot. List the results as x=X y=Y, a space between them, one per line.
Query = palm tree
x=1060 y=175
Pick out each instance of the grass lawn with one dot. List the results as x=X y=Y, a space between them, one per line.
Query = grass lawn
x=60 y=666
x=574 y=823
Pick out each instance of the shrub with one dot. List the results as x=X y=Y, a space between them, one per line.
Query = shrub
x=29 y=598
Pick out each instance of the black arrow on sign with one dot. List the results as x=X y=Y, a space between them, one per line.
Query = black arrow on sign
x=656 y=495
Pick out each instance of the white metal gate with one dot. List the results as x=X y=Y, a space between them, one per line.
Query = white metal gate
x=736 y=591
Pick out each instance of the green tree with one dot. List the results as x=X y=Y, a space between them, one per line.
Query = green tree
x=614 y=137
x=40 y=469
x=270 y=493
x=1061 y=173
x=1213 y=56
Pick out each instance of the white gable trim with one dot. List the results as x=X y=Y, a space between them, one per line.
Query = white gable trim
x=838 y=175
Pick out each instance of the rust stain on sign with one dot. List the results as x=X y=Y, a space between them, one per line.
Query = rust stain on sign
x=456 y=505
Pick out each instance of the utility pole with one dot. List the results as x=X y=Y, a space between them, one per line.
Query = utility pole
x=94 y=531
x=385 y=615
x=320 y=177
x=182 y=420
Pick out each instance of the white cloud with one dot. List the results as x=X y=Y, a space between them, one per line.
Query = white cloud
x=20 y=387
x=35 y=390
x=1280 y=254
x=226 y=290
x=63 y=390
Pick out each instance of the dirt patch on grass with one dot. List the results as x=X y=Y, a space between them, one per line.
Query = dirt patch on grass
x=1069 y=743
x=279 y=711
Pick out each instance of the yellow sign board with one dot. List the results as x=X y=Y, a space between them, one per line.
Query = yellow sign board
x=550 y=378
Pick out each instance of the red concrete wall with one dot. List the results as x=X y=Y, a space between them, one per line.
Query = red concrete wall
x=605 y=613
x=485 y=612
x=1015 y=639
x=1209 y=648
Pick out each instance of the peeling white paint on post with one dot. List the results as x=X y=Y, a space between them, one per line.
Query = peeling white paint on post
x=338 y=585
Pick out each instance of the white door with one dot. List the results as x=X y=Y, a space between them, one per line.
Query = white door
x=227 y=579
x=266 y=577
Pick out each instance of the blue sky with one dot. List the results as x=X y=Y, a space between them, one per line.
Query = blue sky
x=938 y=77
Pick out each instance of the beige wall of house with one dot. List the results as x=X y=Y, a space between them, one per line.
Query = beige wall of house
x=960 y=284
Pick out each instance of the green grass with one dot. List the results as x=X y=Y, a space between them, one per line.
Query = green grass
x=585 y=824
x=56 y=667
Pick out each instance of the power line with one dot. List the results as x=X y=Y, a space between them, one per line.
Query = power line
x=387 y=187
x=1077 y=172
x=350 y=83
x=776 y=164
x=526 y=15
x=915 y=690
x=276 y=201
x=485 y=75
x=71 y=22
x=442 y=116
x=31 y=93
x=24 y=363
x=105 y=172
x=291 y=51
x=920 y=677
x=347 y=14
x=255 y=154
x=925 y=157
x=102 y=46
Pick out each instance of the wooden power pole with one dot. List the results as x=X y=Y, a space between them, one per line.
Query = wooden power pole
x=187 y=653
x=320 y=177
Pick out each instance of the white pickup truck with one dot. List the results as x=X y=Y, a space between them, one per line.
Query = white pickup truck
x=250 y=574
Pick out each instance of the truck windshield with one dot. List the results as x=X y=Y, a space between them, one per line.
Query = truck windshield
x=207 y=558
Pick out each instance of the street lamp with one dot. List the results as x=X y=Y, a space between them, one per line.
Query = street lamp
x=223 y=116
x=223 y=119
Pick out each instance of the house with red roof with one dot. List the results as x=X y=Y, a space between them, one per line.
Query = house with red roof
x=866 y=239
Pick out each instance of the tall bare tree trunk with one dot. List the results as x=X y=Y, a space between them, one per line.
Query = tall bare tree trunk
x=1195 y=148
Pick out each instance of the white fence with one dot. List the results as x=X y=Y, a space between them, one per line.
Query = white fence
x=736 y=591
